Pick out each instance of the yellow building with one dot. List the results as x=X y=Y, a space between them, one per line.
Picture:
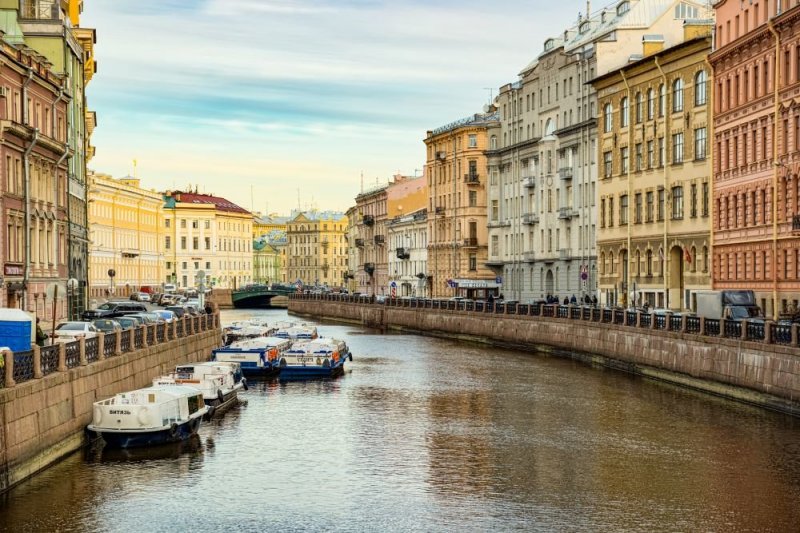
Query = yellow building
x=264 y=225
x=457 y=232
x=125 y=224
x=317 y=248
x=207 y=239
x=654 y=214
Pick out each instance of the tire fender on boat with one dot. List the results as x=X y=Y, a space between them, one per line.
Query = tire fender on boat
x=143 y=416
x=326 y=363
x=245 y=386
x=173 y=430
x=283 y=362
x=220 y=396
x=350 y=355
x=97 y=416
x=210 y=413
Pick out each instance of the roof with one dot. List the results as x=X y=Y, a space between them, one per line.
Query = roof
x=478 y=119
x=266 y=220
x=326 y=216
x=221 y=204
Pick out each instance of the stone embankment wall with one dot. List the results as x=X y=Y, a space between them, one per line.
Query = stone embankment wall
x=47 y=398
x=760 y=373
x=222 y=297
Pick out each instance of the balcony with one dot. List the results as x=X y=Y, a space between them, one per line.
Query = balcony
x=565 y=254
x=796 y=223
x=380 y=240
x=565 y=173
x=498 y=223
x=369 y=268
x=471 y=242
x=368 y=220
x=472 y=179
x=440 y=210
x=529 y=182
x=566 y=213
x=40 y=10
x=529 y=257
x=348 y=275
x=402 y=253
x=530 y=218
x=359 y=243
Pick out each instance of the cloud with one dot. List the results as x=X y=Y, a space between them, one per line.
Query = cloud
x=276 y=89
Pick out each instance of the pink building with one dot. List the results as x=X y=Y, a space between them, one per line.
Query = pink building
x=756 y=190
x=33 y=188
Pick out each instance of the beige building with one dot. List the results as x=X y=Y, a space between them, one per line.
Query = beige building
x=457 y=234
x=372 y=269
x=317 y=249
x=654 y=223
x=126 y=224
x=349 y=280
x=207 y=239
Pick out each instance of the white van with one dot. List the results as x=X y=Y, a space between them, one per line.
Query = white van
x=169 y=288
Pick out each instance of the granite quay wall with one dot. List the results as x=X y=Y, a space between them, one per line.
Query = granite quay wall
x=222 y=297
x=47 y=394
x=754 y=363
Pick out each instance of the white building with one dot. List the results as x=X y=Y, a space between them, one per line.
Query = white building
x=408 y=254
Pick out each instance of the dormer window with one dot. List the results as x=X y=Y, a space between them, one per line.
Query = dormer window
x=623 y=7
x=584 y=28
x=685 y=11
x=548 y=45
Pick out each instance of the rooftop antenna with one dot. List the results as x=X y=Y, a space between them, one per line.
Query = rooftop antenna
x=134 y=168
x=588 y=9
x=491 y=93
x=299 y=207
x=362 y=181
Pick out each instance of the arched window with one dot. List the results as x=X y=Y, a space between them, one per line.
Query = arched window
x=639 y=107
x=638 y=263
x=623 y=7
x=693 y=259
x=611 y=261
x=548 y=127
x=677 y=95
x=649 y=262
x=607 y=118
x=602 y=262
x=651 y=104
x=662 y=100
x=493 y=142
x=623 y=115
x=700 y=88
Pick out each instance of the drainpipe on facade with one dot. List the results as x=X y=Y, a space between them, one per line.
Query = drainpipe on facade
x=629 y=220
x=710 y=197
x=775 y=166
x=667 y=113
x=27 y=171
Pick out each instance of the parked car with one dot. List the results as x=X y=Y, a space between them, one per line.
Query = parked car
x=149 y=318
x=127 y=322
x=192 y=310
x=113 y=310
x=138 y=318
x=194 y=302
x=72 y=331
x=155 y=298
x=140 y=297
x=169 y=287
x=167 y=315
x=178 y=310
x=106 y=325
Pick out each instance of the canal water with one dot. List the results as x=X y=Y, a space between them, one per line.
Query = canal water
x=424 y=434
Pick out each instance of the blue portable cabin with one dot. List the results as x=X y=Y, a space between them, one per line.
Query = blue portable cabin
x=17 y=330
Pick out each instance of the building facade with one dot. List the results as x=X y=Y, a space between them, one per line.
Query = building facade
x=456 y=169
x=207 y=239
x=349 y=280
x=269 y=252
x=408 y=255
x=49 y=28
x=372 y=269
x=317 y=249
x=654 y=207
x=756 y=189
x=126 y=233
x=33 y=154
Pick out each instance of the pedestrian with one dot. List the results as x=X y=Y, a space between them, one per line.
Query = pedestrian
x=573 y=300
x=41 y=336
x=594 y=300
x=586 y=299
x=566 y=300
x=491 y=298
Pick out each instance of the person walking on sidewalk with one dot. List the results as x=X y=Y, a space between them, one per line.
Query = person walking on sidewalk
x=41 y=336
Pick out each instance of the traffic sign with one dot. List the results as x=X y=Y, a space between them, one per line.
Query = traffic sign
x=393 y=284
x=499 y=280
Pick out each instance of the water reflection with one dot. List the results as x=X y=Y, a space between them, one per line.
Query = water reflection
x=434 y=435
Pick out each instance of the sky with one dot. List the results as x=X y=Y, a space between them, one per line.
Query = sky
x=279 y=104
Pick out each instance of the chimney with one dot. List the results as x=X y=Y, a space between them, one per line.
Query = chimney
x=652 y=44
x=692 y=29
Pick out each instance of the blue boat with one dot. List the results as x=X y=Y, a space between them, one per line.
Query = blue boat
x=320 y=358
x=257 y=357
x=148 y=417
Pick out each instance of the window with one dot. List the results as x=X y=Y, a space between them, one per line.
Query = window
x=167 y=242
x=637 y=208
x=661 y=195
x=624 y=111
x=639 y=107
x=195 y=243
x=651 y=163
x=623 y=209
x=638 y=157
x=677 y=202
x=607 y=118
x=662 y=100
x=623 y=157
x=473 y=198
x=607 y=164
x=208 y=243
x=693 y=201
x=183 y=243
x=207 y=224
x=649 y=211
x=651 y=104
x=705 y=199
x=195 y=224
x=677 y=95
x=700 y=143
x=623 y=8
x=661 y=154
x=700 y=88
x=208 y=265
x=166 y=222
x=495 y=209
x=473 y=262
x=183 y=223
x=677 y=148
x=473 y=140
x=602 y=212
x=685 y=11
x=611 y=212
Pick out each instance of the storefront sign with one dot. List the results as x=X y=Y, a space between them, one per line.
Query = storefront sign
x=13 y=270
x=476 y=284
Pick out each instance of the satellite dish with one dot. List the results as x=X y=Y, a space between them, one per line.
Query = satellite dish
x=486 y=108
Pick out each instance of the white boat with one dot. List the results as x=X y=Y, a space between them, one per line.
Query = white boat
x=241 y=331
x=146 y=417
x=298 y=332
x=219 y=382
x=319 y=358
x=257 y=357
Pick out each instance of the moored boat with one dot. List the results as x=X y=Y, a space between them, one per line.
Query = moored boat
x=320 y=358
x=219 y=382
x=245 y=330
x=298 y=332
x=257 y=357
x=147 y=417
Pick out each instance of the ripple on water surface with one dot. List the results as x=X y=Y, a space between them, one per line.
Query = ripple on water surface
x=425 y=434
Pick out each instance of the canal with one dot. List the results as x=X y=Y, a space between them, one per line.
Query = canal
x=424 y=434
